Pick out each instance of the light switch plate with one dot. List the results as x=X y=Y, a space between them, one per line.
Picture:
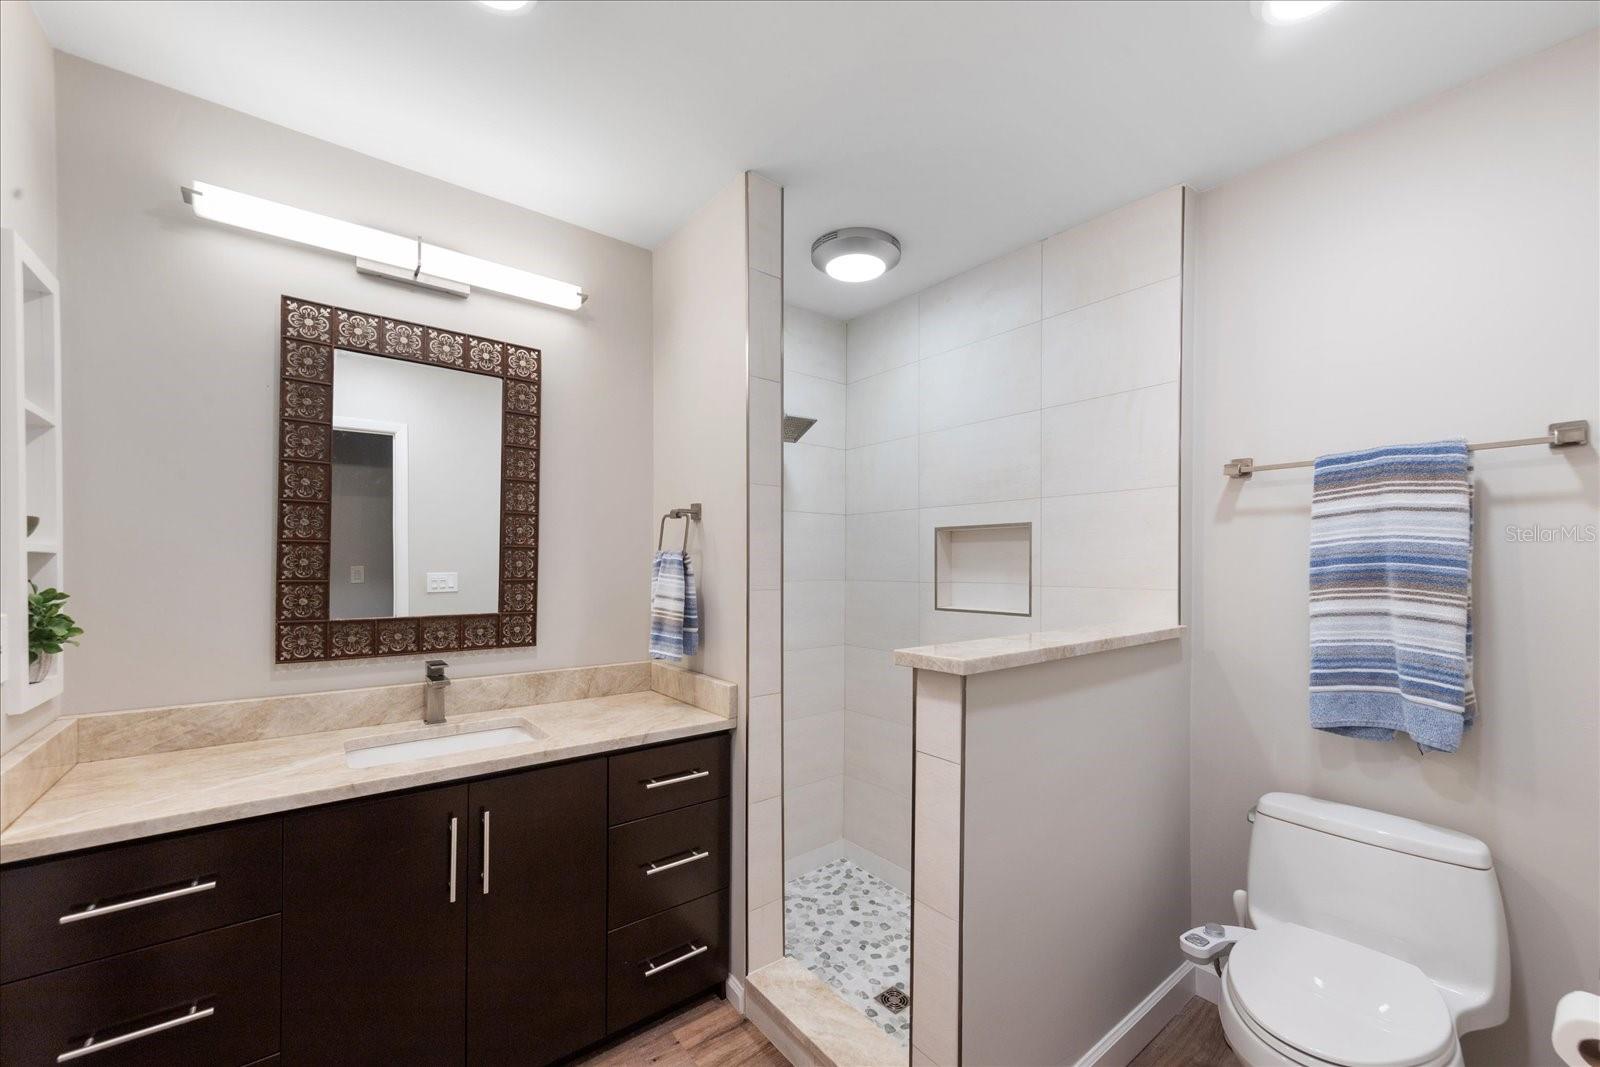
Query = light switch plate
x=358 y=573
x=443 y=582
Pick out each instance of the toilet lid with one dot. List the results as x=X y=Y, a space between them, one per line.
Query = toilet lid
x=1338 y=1001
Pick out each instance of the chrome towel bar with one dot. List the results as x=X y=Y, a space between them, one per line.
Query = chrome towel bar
x=1560 y=435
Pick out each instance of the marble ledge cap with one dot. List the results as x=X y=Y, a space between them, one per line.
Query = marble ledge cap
x=1021 y=650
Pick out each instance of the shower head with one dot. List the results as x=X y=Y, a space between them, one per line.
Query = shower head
x=795 y=427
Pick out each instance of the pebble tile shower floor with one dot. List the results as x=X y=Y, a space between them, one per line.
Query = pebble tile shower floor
x=853 y=930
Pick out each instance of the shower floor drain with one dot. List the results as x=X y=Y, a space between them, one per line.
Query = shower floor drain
x=895 y=999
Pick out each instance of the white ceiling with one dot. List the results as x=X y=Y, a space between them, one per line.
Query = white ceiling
x=967 y=129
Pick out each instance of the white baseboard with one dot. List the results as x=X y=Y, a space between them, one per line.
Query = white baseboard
x=1134 y=1032
x=733 y=989
x=1207 y=984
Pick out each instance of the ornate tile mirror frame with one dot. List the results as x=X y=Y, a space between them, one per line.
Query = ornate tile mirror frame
x=304 y=633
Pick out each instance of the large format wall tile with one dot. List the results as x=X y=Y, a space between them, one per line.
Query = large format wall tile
x=820 y=399
x=1125 y=249
x=813 y=681
x=995 y=460
x=766 y=440
x=884 y=339
x=766 y=536
x=878 y=819
x=881 y=477
x=873 y=685
x=880 y=615
x=1122 y=441
x=813 y=614
x=882 y=407
x=766 y=330
x=813 y=815
x=878 y=751
x=813 y=546
x=813 y=749
x=997 y=512
x=1126 y=540
x=1066 y=608
x=1126 y=342
x=985 y=380
x=881 y=546
x=813 y=344
x=813 y=479
x=988 y=300
x=939 y=627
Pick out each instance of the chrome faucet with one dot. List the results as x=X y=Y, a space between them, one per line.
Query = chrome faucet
x=433 y=692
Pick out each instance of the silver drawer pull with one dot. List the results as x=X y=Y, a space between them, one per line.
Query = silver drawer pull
x=694 y=950
x=452 y=859
x=693 y=857
x=657 y=783
x=92 y=910
x=193 y=1015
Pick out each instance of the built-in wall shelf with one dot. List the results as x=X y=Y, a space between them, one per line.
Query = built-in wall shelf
x=30 y=464
x=985 y=569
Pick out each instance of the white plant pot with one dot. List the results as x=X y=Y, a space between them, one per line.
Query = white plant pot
x=40 y=668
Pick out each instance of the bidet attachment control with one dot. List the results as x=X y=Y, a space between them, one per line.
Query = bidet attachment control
x=1211 y=942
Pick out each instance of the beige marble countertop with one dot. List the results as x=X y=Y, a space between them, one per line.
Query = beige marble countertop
x=1022 y=650
x=113 y=800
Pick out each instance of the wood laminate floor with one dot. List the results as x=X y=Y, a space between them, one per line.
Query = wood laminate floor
x=707 y=1033
x=710 y=1033
x=1192 y=1039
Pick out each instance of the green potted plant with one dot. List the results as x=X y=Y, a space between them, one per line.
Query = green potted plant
x=48 y=629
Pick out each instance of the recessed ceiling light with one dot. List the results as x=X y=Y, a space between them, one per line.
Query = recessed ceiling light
x=855 y=254
x=1288 y=12
x=507 y=6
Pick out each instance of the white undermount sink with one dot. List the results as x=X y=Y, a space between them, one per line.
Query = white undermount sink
x=446 y=740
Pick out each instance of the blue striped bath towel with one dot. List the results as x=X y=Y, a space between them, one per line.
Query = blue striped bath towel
x=1391 y=594
x=674 y=607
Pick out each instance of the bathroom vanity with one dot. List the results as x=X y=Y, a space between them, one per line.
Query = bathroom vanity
x=507 y=917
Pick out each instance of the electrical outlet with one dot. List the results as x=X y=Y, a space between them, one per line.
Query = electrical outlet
x=443 y=582
x=358 y=573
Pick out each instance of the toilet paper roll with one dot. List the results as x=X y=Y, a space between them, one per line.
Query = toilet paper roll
x=1576 y=1033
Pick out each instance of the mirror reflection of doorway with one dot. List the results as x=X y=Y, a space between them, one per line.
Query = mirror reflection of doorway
x=370 y=520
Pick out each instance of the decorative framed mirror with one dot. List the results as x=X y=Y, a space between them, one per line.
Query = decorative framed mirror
x=408 y=488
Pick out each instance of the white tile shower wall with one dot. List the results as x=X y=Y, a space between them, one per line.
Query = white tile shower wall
x=814 y=593
x=1040 y=387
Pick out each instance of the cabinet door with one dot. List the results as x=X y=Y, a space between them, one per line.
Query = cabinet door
x=536 y=954
x=375 y=931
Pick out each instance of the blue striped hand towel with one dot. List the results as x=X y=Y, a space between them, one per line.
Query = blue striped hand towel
x=1391 y=594
x=674 y=607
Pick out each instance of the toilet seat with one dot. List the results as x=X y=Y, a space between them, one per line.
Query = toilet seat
x=1316 y=999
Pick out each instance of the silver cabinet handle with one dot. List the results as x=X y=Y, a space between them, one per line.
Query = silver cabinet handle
x=693 y=857
x=657 y=783
x=92 y=910
x=694 y=950
x=193 y=1015
x=485 y=851
x=452 y=859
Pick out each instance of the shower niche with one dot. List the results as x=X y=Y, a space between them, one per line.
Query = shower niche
x=985 y=569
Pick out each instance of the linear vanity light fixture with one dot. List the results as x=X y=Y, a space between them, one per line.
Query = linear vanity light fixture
x=379 y=252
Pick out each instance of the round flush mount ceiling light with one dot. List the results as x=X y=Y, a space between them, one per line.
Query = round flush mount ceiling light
x=855 y=253
x=1289 y=12
x=507 y=7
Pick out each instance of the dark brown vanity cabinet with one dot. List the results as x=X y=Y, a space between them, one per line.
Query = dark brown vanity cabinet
x=511 y=919
x=464 y=923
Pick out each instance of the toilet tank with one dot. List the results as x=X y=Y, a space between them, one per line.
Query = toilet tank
x=1420 y=893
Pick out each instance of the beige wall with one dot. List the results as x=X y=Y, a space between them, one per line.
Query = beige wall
x=170 y=328
x=1432 y=275
x=27 y=129
x=699 y=444
x=1075 y=850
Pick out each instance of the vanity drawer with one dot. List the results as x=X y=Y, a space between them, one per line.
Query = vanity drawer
x=665 y=860
x=141 y=894
x=659 y=961
x=668 y=777
x=210 y=999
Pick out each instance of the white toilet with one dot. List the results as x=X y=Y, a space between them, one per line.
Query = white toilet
x=1377 y=941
